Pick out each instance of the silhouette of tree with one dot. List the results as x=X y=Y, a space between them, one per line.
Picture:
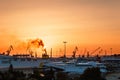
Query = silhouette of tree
x=91 y=74
x=62 y=76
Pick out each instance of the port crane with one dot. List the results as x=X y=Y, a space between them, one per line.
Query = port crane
x=74 y=52
x=9 y=50
x=95 y=50
x=45 y=55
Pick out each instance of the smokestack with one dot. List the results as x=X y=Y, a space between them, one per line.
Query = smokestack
x=64 y=48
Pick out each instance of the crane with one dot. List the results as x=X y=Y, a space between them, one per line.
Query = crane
x=45 y=55
x=95 y=50
x=9 y=49
x=74 y=52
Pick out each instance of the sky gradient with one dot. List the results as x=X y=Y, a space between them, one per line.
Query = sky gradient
x=83 y=23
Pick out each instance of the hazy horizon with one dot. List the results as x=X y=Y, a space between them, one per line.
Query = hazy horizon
x=83 y=23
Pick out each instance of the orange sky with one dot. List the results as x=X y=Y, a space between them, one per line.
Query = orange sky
x=83 y=23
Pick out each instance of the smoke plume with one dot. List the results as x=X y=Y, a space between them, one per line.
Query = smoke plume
x=34 y=46
x=36 y=43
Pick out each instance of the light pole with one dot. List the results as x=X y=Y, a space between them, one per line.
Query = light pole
x=64 y=48
x=111 y=50
x=51 y=53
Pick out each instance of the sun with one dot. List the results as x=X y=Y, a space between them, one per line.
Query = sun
x=49 y=42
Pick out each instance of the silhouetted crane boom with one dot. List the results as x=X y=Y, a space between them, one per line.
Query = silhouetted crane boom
x=95 y=50
x=9 y=49
x=74 y=52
